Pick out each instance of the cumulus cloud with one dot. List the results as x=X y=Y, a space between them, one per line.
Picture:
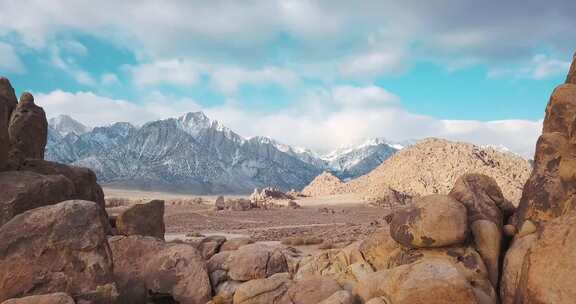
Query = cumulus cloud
x=229 y=79
x=175 y=71
x=9 y=60
x=541 y=66
x=330 y=127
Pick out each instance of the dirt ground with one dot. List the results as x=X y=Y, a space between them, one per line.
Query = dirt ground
x=326 y=221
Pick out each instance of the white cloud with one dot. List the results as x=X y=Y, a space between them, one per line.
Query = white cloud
x=541 y=66
x=68 y=65
x=373 y=64
x=363 y=97
x=9 y=60
x=229 y=79
x=323 y=129
x=174 y=71
x=108 y=79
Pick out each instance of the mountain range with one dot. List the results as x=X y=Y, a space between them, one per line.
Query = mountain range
x=195 y=154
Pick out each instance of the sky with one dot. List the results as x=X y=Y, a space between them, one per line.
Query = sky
x=315 y=74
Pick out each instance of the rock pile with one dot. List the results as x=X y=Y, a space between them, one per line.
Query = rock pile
x=324 y=184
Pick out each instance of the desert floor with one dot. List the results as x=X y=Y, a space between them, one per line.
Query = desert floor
x=331 y=221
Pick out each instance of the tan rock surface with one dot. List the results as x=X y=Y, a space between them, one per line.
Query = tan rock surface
x=433 y=165
x=432 y=221
x=263 y=291
x=57 y=248
x=512 y=268
x=22 y=191
x=53 y=298
x=143 y=264
x=311 y=290
x=142 y=219
x=324 y=184
x=7 y=104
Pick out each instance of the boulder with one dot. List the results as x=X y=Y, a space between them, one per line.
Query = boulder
x=28 y=130
x=209 y=246
x=379 y=248
x=53 y=298
x=311 y=290
x=235 y=244
x=487 y=212
x=238 y=204
x=512 y=268
x=22 y=191
x=147 y=265
x=571 y=78
x=142 y=219
x=550 y=190
x=84 y=179
x=433 y=221
x=256 y=261
x=430 y=281
x=57 y=248
x=547 y=273
x=225 y=291
x=220 y=203
x=7 y=104
x=263 y=291
x=339 y=297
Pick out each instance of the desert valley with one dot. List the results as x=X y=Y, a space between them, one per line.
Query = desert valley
x=287 y=152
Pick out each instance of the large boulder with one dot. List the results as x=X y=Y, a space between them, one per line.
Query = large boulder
x=142 y=219
x=432 y=221
x=547 y=274
x=22 y=191
x=7 y=104
x=379 y=248
x=84 y=179
x=53 y=298
x=263 y=291
x=147 y=266
x=339 y=297
x=512 y=268
x=572 y=73
x=28 y=130
x=487 y=209
x=256 y=261
x=57 y=248
x=431 y=281
x=311 y=290
x=550 y=190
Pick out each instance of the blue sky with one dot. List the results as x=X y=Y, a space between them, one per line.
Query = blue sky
x=319 y=74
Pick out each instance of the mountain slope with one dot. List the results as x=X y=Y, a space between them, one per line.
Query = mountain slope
x=432 y=166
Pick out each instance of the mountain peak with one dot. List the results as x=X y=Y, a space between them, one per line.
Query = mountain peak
x=65 y=124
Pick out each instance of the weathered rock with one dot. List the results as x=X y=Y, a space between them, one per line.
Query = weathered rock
x=209 y=246
x=58 y=248
x=53 y=298
x=550 y=264
x=571 y=78
x=432 y=221
x=22 y=191
x=550 y=190
x=487 y=212
x=7 y=104
x=28 y=130
x=263 y=291
x=311 y=290
x=238 y=204
x=512 y=268
x=389 y=198
x=339 y=297
x=235 y=244
x=256 y=261
x=225 y=291
x=84 y=179
x=142 y=219
x=220 y=203
x=146 y=264
x=427 y=282
x=378 y=248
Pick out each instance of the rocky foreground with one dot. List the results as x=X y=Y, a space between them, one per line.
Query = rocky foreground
x=58 y=245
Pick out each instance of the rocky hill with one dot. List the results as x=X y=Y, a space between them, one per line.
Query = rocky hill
x=432 y=166
x=193 y=153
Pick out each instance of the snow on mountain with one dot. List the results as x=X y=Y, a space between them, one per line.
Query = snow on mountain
x=196 y=154
x=65 y=124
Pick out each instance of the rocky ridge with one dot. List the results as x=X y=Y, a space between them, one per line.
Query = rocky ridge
x=431 y=166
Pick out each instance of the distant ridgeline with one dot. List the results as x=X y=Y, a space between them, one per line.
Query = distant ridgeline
x=193 y=153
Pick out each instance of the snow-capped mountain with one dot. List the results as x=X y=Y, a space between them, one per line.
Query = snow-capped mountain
x=193 y=153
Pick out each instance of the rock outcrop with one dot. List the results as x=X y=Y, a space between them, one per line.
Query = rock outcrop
x=7 y=104
x=57 y=248
x=142 y=219
x=22 y=191
x=28 y=130
x=146 y=267
x=53 y=298
x=432 y=221
x=324 y=184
